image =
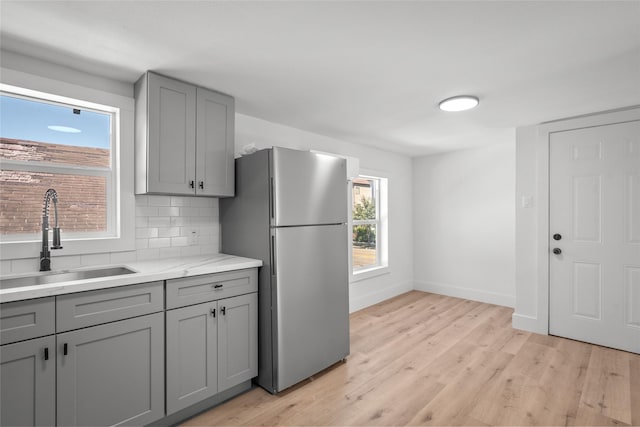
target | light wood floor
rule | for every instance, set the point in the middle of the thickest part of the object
(425, 359)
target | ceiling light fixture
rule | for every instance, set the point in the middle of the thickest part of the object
(459, 103)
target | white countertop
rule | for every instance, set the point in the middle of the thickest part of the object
(146, 271)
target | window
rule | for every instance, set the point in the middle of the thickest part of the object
(77, 140)
(46, 144)
(369, 224)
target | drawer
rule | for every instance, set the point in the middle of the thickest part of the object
(23, 320)
(90, 308)
(209, 287)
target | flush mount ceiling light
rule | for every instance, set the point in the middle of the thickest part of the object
(65, 129)
(459, 103)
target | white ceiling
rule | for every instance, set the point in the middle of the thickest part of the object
(369, 72)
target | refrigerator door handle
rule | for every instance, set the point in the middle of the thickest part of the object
(272, 201)
(273, 255)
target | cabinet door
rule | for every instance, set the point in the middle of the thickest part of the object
(171, 136)
(215, 143)
(191, 355)
(28, 386)
(237, 340)
(112, 373)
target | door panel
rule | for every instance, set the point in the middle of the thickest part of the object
(594, 206)
(112, 373)
(633, 209)
(172, 135)
(308, 188)
(587, 289)
(192, 371)
(587, 209)
(632, 282)
(237, 340)
(312, 300)
(214, 139)
(28, 386)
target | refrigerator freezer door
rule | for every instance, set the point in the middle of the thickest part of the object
(312, 301)
(308, 188)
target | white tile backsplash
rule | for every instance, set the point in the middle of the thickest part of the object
(164, 228)
(95, 259)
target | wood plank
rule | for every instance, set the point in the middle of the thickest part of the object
(634, 380)
(606, 389)
(453, 405)
(588, 417)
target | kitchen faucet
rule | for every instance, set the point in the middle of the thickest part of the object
(45, 255)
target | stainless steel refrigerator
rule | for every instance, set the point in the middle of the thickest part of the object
(290, 211)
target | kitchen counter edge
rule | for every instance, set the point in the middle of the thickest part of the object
(146, 271)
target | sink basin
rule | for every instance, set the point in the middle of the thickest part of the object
(62, 276)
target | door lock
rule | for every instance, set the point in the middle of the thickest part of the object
(557, 251)
(557, 236)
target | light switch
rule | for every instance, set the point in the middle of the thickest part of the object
(527, 201)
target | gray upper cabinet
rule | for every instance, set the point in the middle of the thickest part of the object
(215, 118)
(184, 138)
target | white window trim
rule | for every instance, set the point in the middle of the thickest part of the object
(123, 237)
(382, 239)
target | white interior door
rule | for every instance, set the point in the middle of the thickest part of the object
(594, 253)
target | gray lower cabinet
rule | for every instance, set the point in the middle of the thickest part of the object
(112, 374)
(192, 358)
(210, 348)
(28, 383)
(237, 340)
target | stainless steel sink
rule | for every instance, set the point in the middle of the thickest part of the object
(62, 276)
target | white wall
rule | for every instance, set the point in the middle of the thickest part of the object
(464, 223)
(396, 167)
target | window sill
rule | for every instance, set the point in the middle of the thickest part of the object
(369, 273)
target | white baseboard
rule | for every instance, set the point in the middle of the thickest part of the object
(527, 323)
(466, 293)
(363, 301)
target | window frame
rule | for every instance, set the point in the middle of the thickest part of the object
(121, 200)
(382, 225)
(108, 173)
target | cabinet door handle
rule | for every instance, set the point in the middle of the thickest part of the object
(46, 353)
(213, 312)
(218, 286)
(224, 311)
(201, 185)
(65, 349)
(192, 184)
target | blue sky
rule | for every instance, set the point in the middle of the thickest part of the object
(30, 120)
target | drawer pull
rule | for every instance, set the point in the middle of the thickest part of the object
(218, 286)
(213, 312)
(46, 353)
